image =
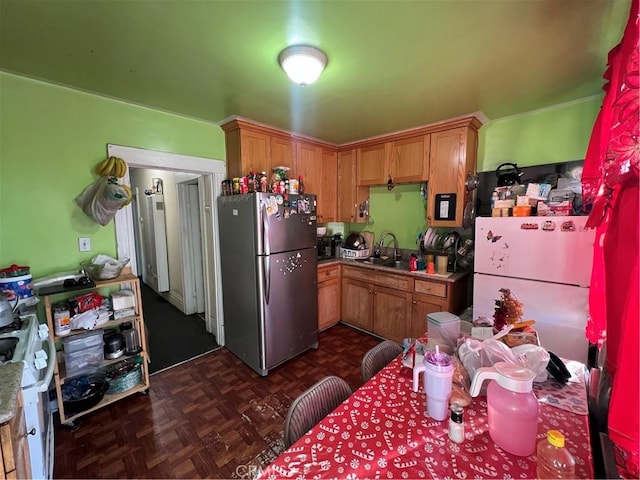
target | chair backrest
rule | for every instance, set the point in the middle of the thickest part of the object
(313, 405)
(378, 357)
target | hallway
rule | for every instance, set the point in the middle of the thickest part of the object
(173, 336)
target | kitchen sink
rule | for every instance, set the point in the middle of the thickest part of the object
(388, 262)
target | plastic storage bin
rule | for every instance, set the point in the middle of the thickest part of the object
(443, 328)
(82, 341)
(88, 360)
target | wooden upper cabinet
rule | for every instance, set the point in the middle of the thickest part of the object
(350, 195)
(406, 160)
(328, 191)
(283, 154)
(247, 151)
(373, 164)
(309, 165)
(452, 157)
(410, 159)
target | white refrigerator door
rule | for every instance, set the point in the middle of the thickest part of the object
(560, 311)
(558, 250)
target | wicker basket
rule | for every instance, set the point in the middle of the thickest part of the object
(124, 376)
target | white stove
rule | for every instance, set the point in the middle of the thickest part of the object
(36, 350)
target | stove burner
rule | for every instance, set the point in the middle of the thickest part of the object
(12, 327)
(7, 348)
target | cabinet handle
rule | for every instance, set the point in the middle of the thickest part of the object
(414, 302)
(31, 432)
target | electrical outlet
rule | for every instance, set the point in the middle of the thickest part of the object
(84, 244)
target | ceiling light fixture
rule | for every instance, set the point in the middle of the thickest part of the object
(303, 64)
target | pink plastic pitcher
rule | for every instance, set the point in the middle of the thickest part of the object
(512, 406)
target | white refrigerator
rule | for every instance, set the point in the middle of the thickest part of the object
(546, 263)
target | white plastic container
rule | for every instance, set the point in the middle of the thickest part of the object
(443, 328)
(88, 360)
(83, 341)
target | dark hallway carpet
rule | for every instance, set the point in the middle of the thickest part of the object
(173, 337)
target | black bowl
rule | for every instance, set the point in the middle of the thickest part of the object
(82, 393)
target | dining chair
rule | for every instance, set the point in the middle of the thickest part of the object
(313, 405)
(379, 356)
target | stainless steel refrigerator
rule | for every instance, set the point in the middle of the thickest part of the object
(269, 276)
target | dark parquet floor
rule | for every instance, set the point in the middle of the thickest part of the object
(211, 417)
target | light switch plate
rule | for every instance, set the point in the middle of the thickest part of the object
(84, 244)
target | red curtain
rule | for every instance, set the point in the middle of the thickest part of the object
(610, 186)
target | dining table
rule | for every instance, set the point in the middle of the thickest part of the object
(382, 431)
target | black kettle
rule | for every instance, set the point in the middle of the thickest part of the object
(508, 174)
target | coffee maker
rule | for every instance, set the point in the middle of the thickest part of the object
(328, 247)
(323, 246)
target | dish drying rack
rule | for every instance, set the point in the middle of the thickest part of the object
(355, 254)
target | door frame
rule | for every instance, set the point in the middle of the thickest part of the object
(213, 172)
(191, 255)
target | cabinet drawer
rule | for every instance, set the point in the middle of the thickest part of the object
(328, 273)
(399, 282)
(431, 288)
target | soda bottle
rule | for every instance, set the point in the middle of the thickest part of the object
(300, 185)
(554, 461)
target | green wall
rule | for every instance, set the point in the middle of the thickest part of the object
(556, 134)
(51, 137)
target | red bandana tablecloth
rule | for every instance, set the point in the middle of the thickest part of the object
(382, 431)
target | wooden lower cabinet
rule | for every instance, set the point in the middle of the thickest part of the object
(369, 303)
(396, 306)
(421, 306)
(391, 313)
(357, 305)
(15, 446)
(328, 296)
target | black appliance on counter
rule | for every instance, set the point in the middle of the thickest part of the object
(328, 246)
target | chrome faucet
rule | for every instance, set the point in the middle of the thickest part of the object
(396, 254)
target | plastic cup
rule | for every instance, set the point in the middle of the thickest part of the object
(441, 264)
(438, 377)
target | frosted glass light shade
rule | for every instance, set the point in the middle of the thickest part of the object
(302, 64)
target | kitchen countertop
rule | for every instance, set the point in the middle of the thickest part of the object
(10, 378)
(450, 278)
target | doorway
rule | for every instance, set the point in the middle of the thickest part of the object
(209, 174)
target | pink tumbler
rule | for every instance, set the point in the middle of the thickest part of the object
(438, 376)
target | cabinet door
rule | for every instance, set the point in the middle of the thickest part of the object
(452, 157)
(328, 191)
(410, 159)
(357, 304)
(347, 202)
(309, 165)
(328, 303)
(282, 154)
(421, 306)
(391, 313)
(247, 151)
(373, 164)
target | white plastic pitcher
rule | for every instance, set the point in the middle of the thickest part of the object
(512, 407)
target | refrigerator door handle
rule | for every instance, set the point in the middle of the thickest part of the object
(267, 277)
(265, 230)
